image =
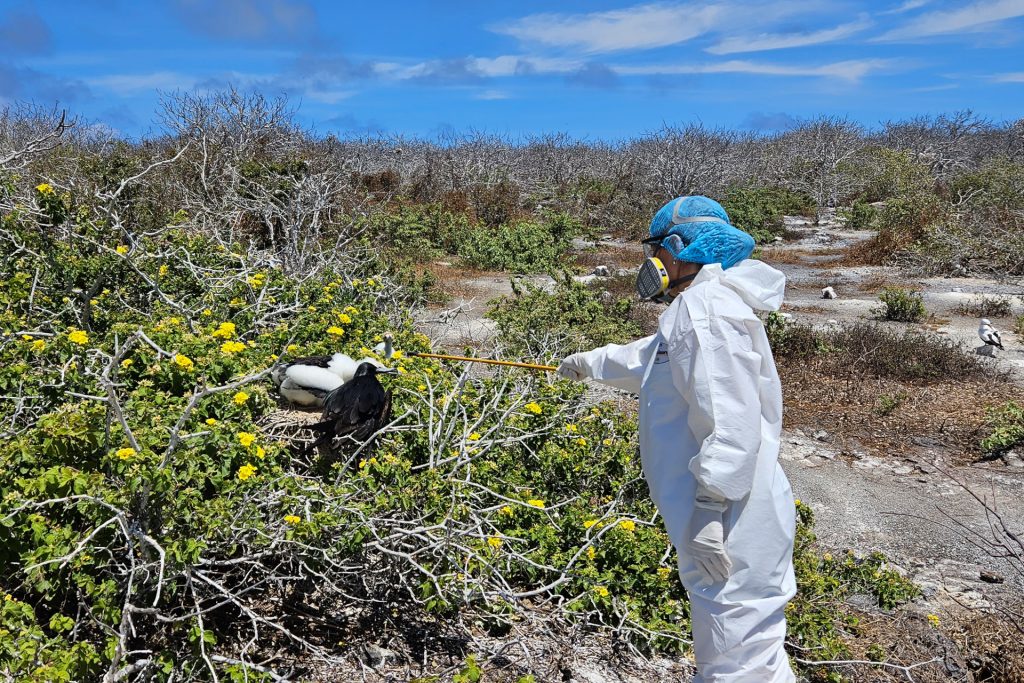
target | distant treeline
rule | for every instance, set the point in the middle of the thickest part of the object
(239, 162)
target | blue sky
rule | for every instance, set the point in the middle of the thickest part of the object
(596, 70)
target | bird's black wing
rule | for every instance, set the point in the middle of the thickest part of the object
(315, 361)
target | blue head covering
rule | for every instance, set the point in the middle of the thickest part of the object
(688, 238)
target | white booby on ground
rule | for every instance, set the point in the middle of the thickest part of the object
(307, 381)
(989, 334)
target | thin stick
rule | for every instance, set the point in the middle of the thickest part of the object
(549, 368)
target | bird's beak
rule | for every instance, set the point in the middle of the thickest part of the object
(387, 371)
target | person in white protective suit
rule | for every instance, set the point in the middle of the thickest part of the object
(710, 420)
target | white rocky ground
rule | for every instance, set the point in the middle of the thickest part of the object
(912, 510)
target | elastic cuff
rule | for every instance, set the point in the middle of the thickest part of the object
(709, 500)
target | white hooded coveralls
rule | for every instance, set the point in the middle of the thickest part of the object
(711, 413)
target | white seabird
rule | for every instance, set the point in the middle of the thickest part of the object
(989, 334)
(307, 381)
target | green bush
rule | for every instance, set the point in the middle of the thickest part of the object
(901, 305)
(759, 210)
(860, 215)
(818, 620)
(536, 322)
(525, 247)
(1006, 428)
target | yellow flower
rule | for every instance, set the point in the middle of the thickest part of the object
(396, 355)
(581, 441)
(335, 331)
(257, 280)
(26, 337)
(572, 429)
(240, 398)
(125, 453)
(606, 442)
(475, 436)
(371, 282)
(260, 452)
(246, 471)
(344, 319)
(351, 309)
(311, 309)
(126, 362)
(421, 387)
(292, 519)
(601, 591)
(224, 331)
(663, 572)
(827, 557)
(591, 553)
(628, 524)
(245, 438)
(44, 188)
(589, 523)
(798, 503)
(506, 510)
(121, 249)
(536, 502)
(934, 620)
(38, 345)
(533, 408)
(183, 362)
(356, 283)
(163, 270)
(207, 312)
(402, 371)
(78, 336)
(230, 347)
(292, 348)
(494, 542)
(211, 421)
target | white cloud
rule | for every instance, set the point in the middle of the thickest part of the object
(851, 70)
(642, 26)
(977, 16)
(907, 6)
(492, 95)
(778, 41)
(130, 84)
(1013, 77)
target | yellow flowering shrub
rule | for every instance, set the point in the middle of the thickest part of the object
(77, 336)
(225, 330)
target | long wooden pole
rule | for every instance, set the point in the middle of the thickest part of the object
(531, 366)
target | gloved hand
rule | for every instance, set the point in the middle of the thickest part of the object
(706, 543)
(573, 367)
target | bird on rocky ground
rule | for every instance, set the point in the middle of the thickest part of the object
(356, 409)
(307, 381)
(989, 334)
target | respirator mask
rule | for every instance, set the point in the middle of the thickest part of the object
(652, 282)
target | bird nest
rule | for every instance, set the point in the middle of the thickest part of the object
(290, 426)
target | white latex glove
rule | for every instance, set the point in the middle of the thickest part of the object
(573, 367)
(706, 543)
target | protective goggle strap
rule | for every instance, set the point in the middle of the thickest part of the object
(677, 220)
(678, 281)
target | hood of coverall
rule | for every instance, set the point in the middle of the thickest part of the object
(759, 285)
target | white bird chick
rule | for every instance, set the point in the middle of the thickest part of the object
(386, 348)
(307, 381)
(989, 334)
